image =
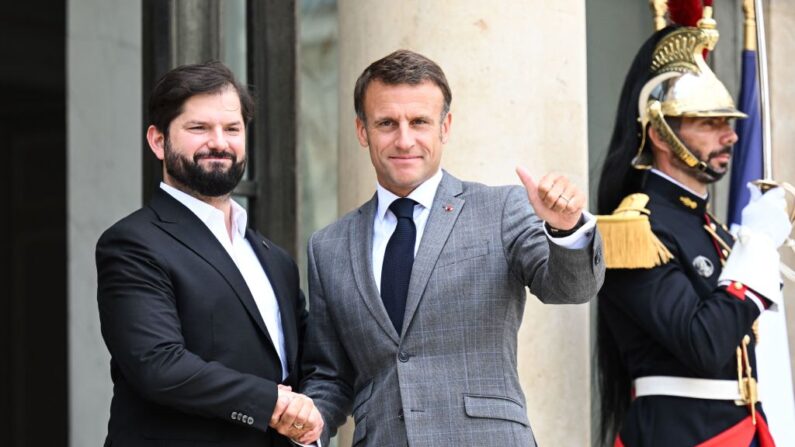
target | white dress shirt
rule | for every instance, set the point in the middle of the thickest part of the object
(239, 249)
(385, 222)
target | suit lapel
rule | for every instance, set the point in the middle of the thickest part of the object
(282, 291)
(443, 215)
(183, 225)
(361, 251)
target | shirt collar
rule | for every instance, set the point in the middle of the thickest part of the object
(422, 194)
(208, 213)
(671, 179)
(672, 191)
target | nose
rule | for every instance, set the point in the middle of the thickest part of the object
(729, 137)
(405, 137)
(217, 140)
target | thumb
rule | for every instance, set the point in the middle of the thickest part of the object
(529, 185)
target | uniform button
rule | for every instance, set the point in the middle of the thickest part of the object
(234, 415)
(400, 414)
(250, 420)
(597, 258)
(403, 357)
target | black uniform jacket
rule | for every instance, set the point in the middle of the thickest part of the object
(674, 320)
(192, 362)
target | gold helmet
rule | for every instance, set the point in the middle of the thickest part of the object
(682, 85)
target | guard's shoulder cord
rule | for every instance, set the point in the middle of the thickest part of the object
(628, 239)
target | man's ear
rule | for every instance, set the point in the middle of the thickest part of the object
(157, 141)
(658, 145)
(361, 133)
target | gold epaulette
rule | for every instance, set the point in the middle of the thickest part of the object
(629, 242)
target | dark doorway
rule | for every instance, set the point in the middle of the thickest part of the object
(33, 336)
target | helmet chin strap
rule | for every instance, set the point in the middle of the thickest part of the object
(657, 121)
(704, 167)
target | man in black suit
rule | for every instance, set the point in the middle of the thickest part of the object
(203, 317)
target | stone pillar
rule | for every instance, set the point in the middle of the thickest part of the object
(518, 76)
(780, 17)
(104, 184)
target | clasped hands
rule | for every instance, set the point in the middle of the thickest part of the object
(296, 417)
(555, 200)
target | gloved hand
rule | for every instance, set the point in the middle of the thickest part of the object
(767, 214)
(754, 260)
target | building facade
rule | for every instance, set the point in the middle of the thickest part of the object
(535, 84)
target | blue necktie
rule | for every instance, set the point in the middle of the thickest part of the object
(398, 259)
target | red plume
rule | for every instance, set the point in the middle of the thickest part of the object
(686, 12)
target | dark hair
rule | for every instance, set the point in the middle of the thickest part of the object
(401, 67)
(617, 180)
(182, 83)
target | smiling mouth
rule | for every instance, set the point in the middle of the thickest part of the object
(215, 157)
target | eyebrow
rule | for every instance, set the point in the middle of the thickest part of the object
(411, 118)
(194, 122)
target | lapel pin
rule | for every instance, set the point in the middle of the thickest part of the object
(266, 245)
(448, 208)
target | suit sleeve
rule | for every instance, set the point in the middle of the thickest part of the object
(142, 330)
(702, 332)
(327, 370)
(555, 274)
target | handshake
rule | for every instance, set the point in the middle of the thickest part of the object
(296, 417)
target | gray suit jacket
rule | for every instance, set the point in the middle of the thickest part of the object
(451, 379)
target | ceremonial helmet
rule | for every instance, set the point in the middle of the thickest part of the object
(681, 84)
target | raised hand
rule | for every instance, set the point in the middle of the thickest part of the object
(556, 200)
(767, 214)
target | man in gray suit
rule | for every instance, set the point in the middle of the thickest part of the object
(417, 296)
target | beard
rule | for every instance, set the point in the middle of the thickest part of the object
(718, 172)
(214, 182)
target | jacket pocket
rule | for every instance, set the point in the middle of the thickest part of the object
(461, 254)
(360, 412)
(359, 431)
(362, 396)
(495, 407)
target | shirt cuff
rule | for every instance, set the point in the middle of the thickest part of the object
(580, 238)
(314, 444)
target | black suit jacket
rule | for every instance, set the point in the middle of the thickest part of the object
(191, 359)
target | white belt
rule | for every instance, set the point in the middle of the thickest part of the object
(687, 387)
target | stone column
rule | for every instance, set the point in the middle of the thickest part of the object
(518, 76)
(780, 17)
(104, 184)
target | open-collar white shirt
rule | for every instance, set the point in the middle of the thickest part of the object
(247, 262)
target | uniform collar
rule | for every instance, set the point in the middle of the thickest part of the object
(674, 192)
